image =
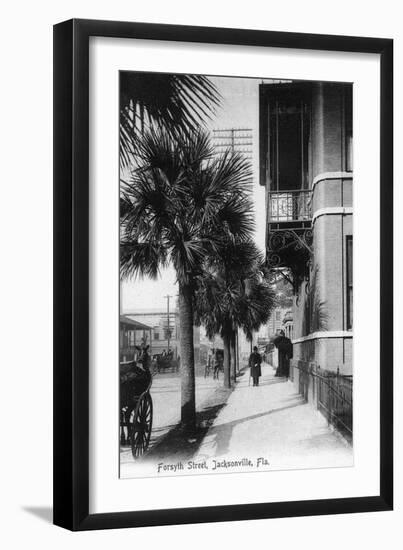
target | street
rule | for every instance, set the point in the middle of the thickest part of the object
(166, 396)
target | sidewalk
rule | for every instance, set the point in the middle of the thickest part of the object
(272, 421)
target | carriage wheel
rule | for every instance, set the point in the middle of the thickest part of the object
(142, 425)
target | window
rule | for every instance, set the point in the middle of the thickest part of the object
(349, 268)
(288, 149)
(348, 127)
(156, 335)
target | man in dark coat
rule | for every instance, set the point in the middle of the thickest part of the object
(285, 353)
(255, 361)
(218, 363)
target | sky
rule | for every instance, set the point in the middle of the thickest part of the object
(239, 108)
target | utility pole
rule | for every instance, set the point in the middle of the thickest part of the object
(237, 350)
(168, 296)
(237, 140)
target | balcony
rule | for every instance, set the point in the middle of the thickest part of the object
(288, 209)
(289, 233)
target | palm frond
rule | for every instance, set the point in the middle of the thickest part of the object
(141, 259)
(232, 291)
(178, 103)
(197, 208)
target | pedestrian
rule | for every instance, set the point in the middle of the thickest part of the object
(255, 361)
(218, 363)
(209, 363)
(285, 353)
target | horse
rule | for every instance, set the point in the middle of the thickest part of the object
(135, 379)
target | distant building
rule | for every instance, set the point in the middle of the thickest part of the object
(131, 334)
(288, 325)
(165, 333)
(275, 323)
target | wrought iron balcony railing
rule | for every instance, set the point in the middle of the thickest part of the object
(285, 206)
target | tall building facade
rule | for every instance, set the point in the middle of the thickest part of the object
(306, 167)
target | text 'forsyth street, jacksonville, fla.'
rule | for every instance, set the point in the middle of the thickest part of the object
(212, 465)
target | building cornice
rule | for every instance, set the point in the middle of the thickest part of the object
(331, 176)
(331, 211)
(324, 334)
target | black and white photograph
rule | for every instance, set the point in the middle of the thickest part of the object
(201, 263)
(236, 275)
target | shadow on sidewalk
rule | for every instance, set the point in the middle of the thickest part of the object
(179, 444)
(271, 382)
(223, 432)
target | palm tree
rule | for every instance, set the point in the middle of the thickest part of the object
(176, 102)
(234, 291)
(179, 206)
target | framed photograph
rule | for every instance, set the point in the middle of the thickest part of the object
(223, 303)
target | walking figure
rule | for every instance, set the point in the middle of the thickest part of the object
(255, 361)
(218, 362)
(209, 363)
(285, 353)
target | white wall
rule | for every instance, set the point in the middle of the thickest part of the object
(25, 389)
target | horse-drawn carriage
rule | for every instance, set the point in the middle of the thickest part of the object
(136, 406)
(165, 363)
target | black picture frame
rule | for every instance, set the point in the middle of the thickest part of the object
(71, 273)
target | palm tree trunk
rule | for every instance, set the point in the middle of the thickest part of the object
(233, 356)
(227, 358)
(187, 366)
